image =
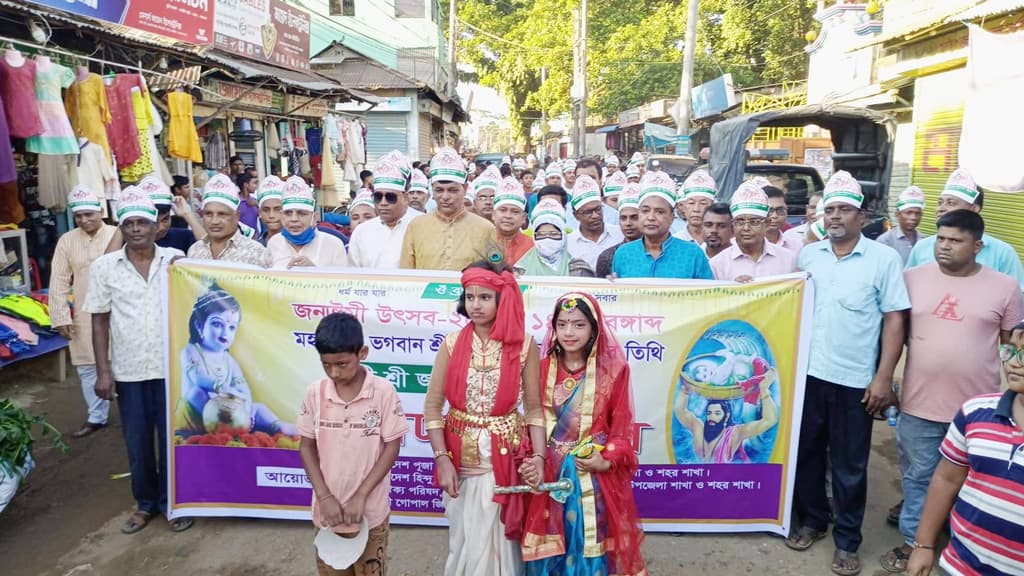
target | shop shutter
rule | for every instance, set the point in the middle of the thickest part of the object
(938, 114)
(385, 131)
(426, 140)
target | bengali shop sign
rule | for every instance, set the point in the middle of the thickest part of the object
(715, 372)
(267, 30)
(184, 20)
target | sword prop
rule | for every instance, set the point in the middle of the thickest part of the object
(559, 486)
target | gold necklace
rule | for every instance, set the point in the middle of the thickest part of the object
(571, 382)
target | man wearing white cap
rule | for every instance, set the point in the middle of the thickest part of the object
(593, 235)
(509, 217)
(909, 208)
(269, 194)
(658, 254)
(449, 238)
(633, 173)
(860, 296)
(629, 225)
(797, 235)
(751, 255)
(698, 193)
(611, 163)
(961, 193)
(300, 244)
(591, 168)
(553, 175)
(613, 187)
(125, 298)
(69, 274)
(361, 209)
(377, 243)
(223, 240)
(419, 192)
(484, 189)
(569, 173)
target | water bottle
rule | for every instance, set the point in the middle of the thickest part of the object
(890, 414)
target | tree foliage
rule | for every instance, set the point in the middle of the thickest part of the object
(634, 49)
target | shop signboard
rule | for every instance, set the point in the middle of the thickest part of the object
(265, 30)
(247, 97)
(184, 20)
(306, 106)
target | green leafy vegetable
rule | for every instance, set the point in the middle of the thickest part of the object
(16, 437)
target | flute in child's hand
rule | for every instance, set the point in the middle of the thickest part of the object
(543, 487)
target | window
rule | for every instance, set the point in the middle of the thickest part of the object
(410, 8)
(343, 7)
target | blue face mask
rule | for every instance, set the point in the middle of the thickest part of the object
(302, 239)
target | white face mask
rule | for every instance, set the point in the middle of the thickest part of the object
(550, 249)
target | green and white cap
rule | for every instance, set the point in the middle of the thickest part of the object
(134, 203)
(419, 182)
(912, 197)
(843, 188)
(749, 200)
(489, 179)
(568, 166)
(585, 191)
(399, 160)
(388, 177)
(615, 184)
(270, 188)
(82, 199)
(699, 184)
(961, 185)
(297, 195)
(548, 211)
(510, 193)
(630, 197)
(222, 190)
(658, 184)
(447, 166)
(158, 191)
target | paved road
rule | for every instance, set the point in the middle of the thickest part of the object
(65, 521)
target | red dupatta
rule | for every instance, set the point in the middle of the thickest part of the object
(509, 329)
(611, 416)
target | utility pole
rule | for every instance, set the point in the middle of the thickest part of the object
(689, 52)
(582, 149)
(542, 153)
(453, 72)
(574, 90)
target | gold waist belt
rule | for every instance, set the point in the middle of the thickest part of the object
(507, 426)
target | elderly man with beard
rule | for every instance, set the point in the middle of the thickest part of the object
(860, 294)
(629, 224)
(751, 256)
(718, 439)
(658, 254)
(717, 229)
(451, 237)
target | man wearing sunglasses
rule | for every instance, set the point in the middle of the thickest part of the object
(961, 311)
(377, 243)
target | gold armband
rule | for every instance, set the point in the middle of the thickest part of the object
(434, 425)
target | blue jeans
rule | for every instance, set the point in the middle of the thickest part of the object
(143, 409)
(919, 442)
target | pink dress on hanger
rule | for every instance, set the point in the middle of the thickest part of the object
(18, 87)
(122, 132)
(57, 136)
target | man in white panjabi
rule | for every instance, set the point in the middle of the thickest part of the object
(300, 244)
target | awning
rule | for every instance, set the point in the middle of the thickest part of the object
(989, 8)
(295, 78)
(939, 19)
(606, 129)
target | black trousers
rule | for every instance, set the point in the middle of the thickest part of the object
(835, 427)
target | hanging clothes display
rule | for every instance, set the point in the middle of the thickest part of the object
(327, 178)
(182, 138)
(57, 136)
(122, 132)
(143, 165)
(19, 93)
(7, 171)
(216, 151)
(348, 135)
(58, 174)
(86, 104)
(96, 172)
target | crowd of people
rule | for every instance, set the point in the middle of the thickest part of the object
(523, 413)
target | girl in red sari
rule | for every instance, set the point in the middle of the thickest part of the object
(593, 527)
(484, 372)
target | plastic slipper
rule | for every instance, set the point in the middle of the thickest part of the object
(845, 563)
(804, 538)
(180, 524)
(137, 521)
(895, 561)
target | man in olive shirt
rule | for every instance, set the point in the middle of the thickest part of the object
(450, 238)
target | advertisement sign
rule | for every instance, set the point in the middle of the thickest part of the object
(713, 97)
(266, 30)
(184, 20)
(696, 350)
(247, 96)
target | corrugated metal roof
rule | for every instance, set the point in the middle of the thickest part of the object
(251, 69)
(988, 8)
(366, 75)
(172, 79)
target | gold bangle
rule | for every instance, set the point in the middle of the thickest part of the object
(433, 425)
(439, 453)
(535, 422)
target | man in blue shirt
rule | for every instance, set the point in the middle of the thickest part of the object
(859, 295)
(658, 254)
(961, 193)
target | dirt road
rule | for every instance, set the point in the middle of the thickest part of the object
(65, 521)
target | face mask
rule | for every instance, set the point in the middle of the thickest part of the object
(549, 249)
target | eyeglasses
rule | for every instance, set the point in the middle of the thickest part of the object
(590, 212)
(548, 236)
(391, 197)
(1009, 352)
(752, 223)
(778, 211)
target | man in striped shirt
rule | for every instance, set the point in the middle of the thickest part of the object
(981, 481)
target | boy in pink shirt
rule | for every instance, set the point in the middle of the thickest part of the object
(352, 425)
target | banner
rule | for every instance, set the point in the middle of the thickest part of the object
(715, 371)
(185, 20)
(267, 30)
